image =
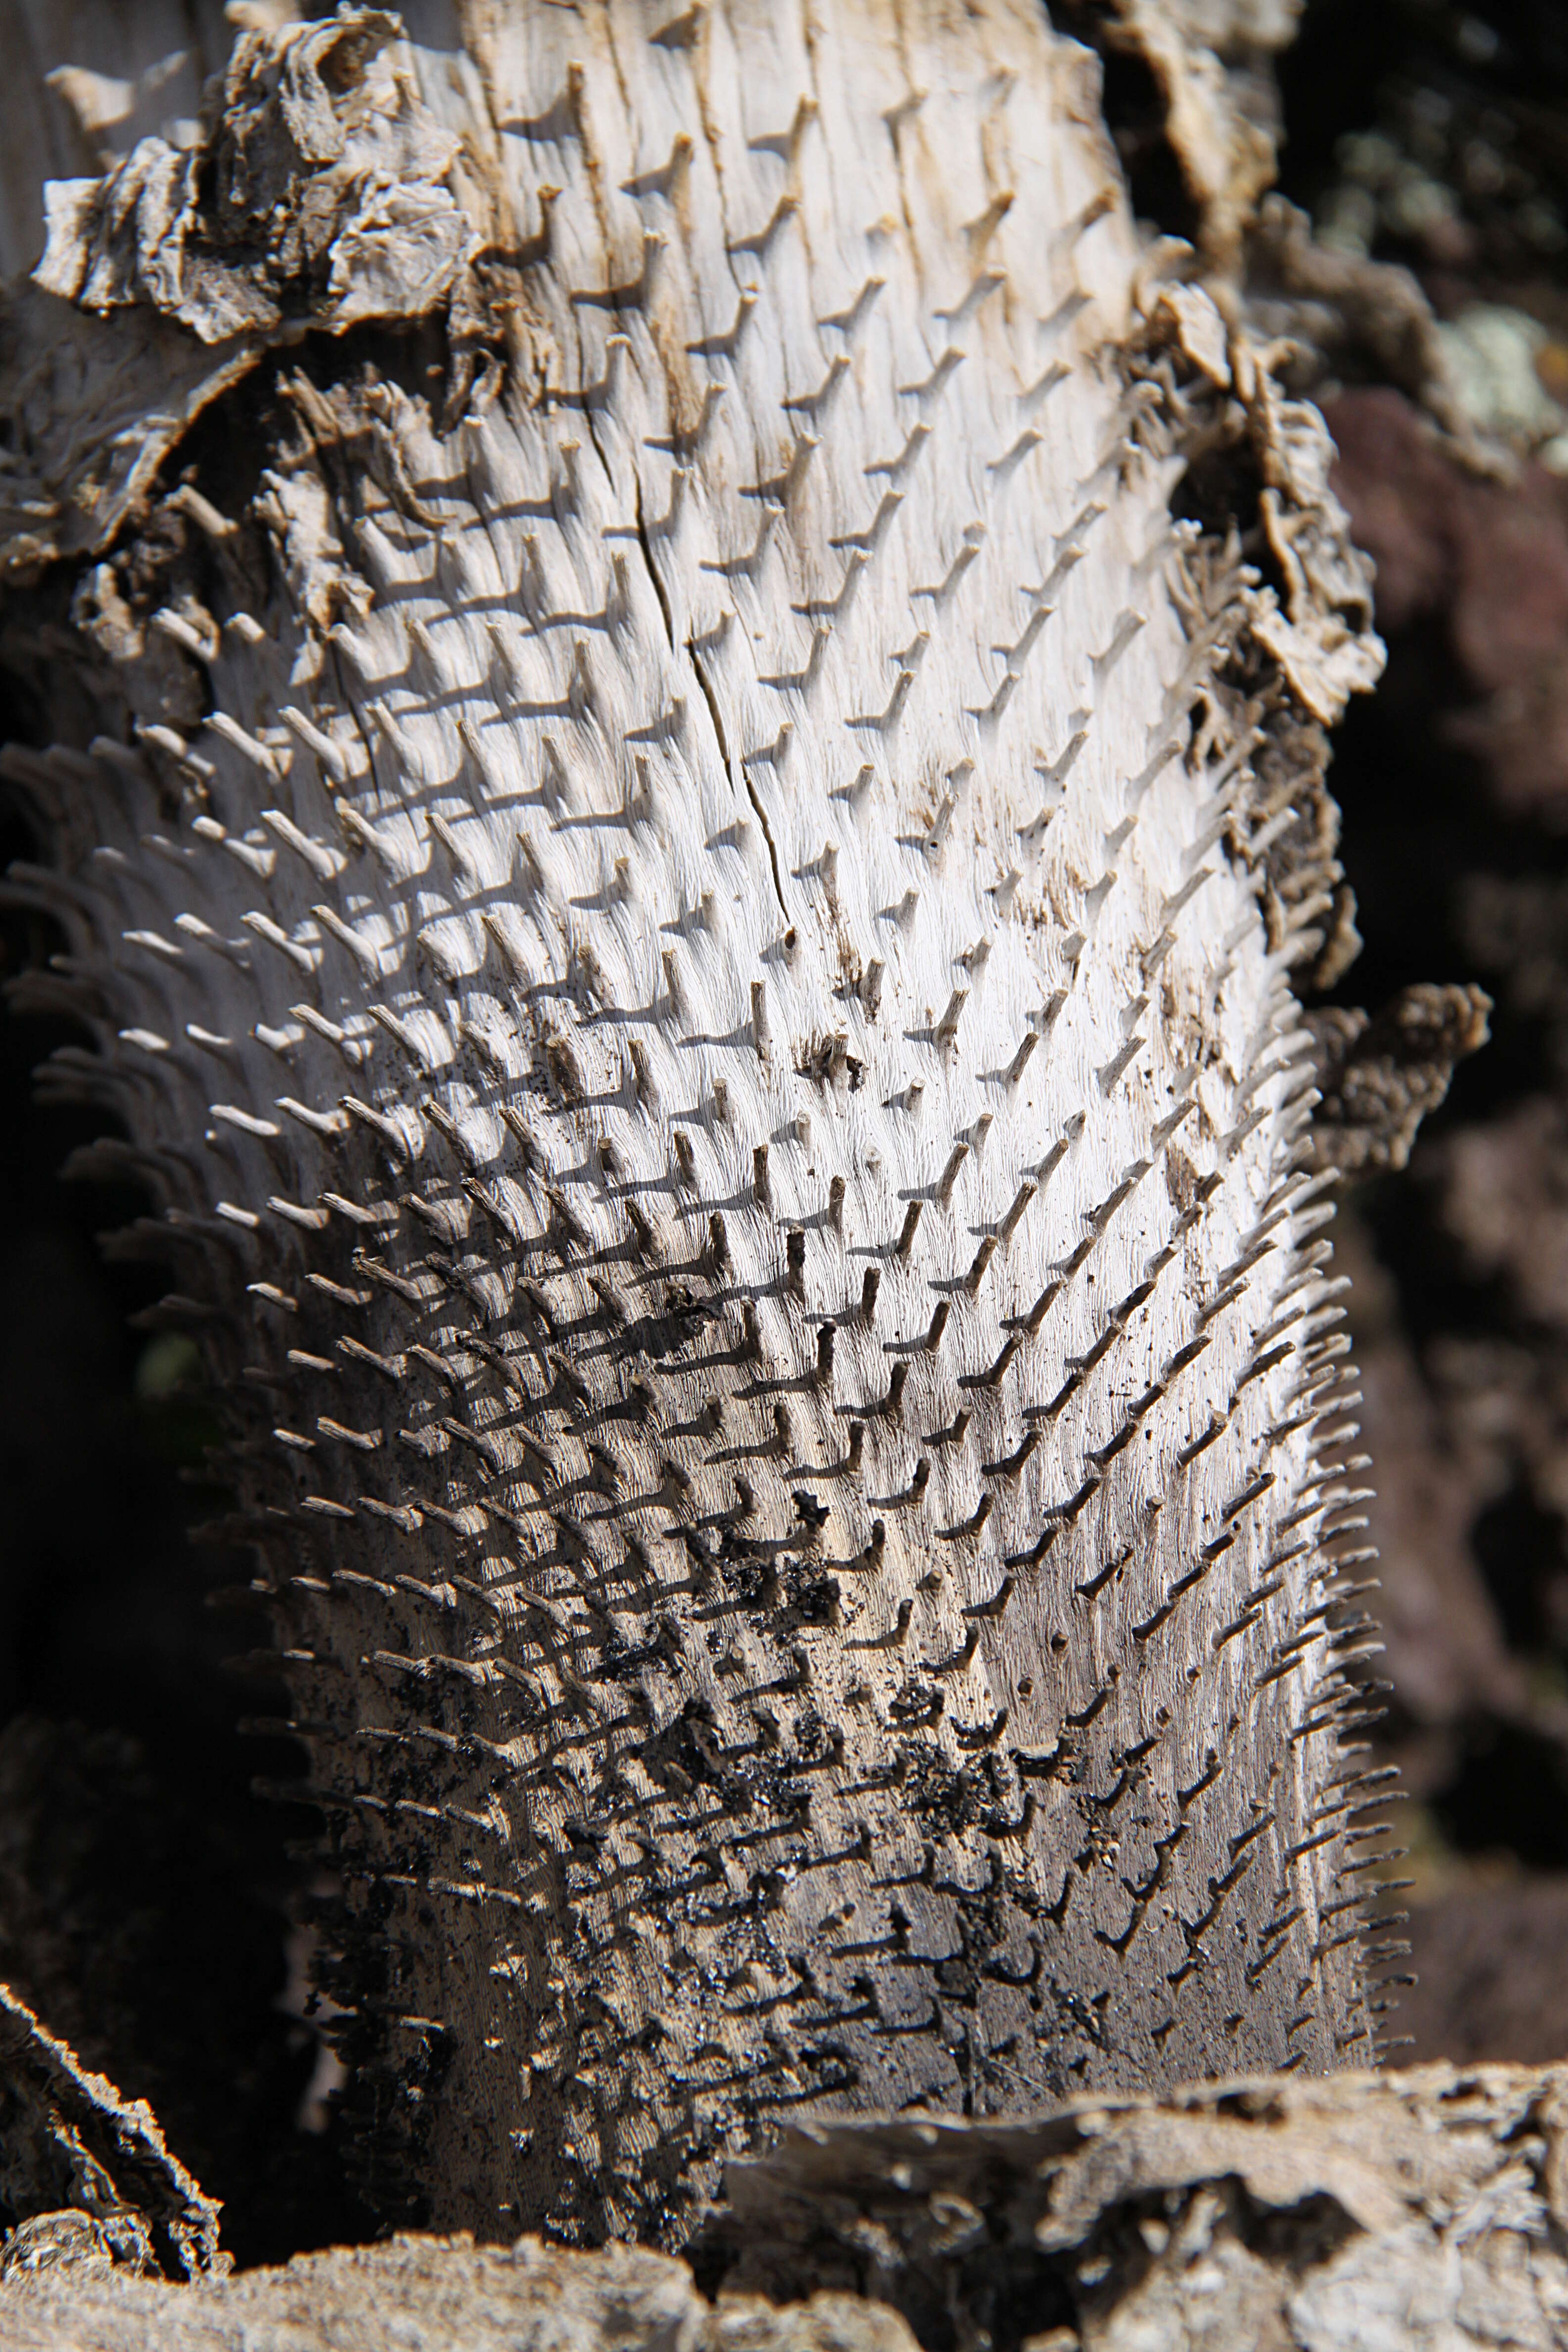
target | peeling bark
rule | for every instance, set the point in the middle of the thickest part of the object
(1381, 1078)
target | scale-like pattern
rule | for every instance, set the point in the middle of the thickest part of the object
(700, 1011)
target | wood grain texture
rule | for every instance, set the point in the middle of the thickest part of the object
(697, 945)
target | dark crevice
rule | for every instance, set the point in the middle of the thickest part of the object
(646, 543)
(1509, 1795)
(710, 697)
(1136, 116)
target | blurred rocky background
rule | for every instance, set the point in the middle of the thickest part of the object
(1432, 139)
(1416, 256)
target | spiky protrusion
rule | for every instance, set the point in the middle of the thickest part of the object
(700, 1007)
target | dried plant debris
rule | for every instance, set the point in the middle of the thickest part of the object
(694, 931)
(1260, 482)
(1424, 2208)
(69, 2142)
(1380, 1078)
(142, 1918)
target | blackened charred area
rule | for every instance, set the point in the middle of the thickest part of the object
(945, 1798)
(958, 2257)
(394, 2067)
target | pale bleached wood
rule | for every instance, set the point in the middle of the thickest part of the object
(712, 1008)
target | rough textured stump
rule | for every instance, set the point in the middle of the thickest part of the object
(680, 697)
